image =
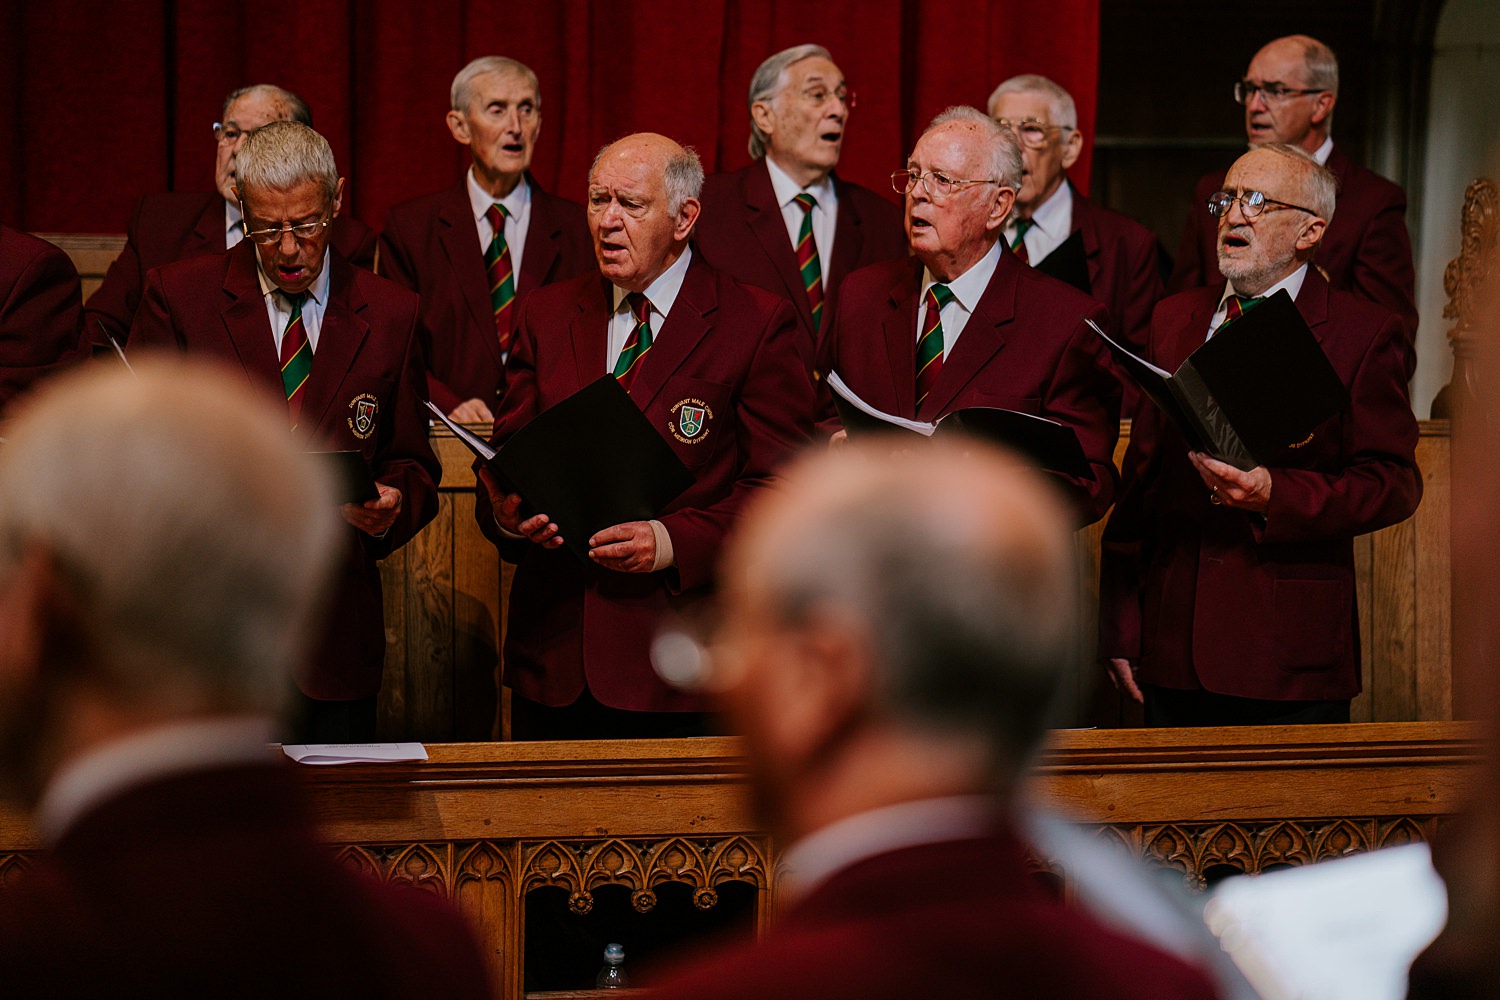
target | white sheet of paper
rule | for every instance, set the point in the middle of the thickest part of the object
(353, 753)
(1346, 929)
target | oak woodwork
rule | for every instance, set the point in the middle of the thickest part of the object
(1463, 281)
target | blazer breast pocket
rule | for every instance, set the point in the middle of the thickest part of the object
(694, 416)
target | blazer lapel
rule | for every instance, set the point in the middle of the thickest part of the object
(686, 325)
(208, 235)
(900, 333)
(1312, 302)
(1083, 222)
(981, 338)
(460, 240)
(848, 237)
(542, 235)
(246, 321)
(343, 333)
(588, 332)
(769, 227)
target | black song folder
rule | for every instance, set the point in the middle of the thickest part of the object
(589, 462)
(1258, 388)
(352, 473)
(1050, 445)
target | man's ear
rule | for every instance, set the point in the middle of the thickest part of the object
(458, 127)
(1000, 208)
(687, 215)
(764, 117)
(1311, 234)
(1323, 107)
(1071, 148)
(338, 198)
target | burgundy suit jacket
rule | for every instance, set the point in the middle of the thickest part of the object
(741, 232)
(431, 245)
(41, 326)
(212, 883)
(1365, 249)
(1025, 348)
(963, 920)
(368, 349)
(174, 226)
(1124, 267)
(1208, 596)
(740, 351)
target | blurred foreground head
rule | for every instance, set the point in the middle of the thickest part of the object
(163, 545)
(895, 629)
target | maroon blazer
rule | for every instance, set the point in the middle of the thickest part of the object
(963, 920)
(368, 350)
(431, 245)
(1026, 348)
(213, 883)
(174, 226)
(41, 326)
(1204, 596)
(741, 232)
(1124, 261)
(741, 352)
(1365, 249)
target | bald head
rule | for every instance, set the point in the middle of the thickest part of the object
(1289, 92)
(642, 204)
(928, 600)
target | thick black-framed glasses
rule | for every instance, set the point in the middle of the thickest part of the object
(1245, 91)
(1252, 204)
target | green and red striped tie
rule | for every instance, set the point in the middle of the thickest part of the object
(807, 259)
(930, 343)
(1237, 305)
(639, 342)
(296, 355)
(502, 276)
(1023, 226)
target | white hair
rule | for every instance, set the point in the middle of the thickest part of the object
(769, 80)
(1060, 107)
(278, 156)
(1005, 164)
(461, 92)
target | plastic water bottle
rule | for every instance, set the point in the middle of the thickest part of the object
(612, 976)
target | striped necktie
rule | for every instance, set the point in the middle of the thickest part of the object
(296, 354)
(807, 259)
(502, 276)
(930, 343)
(1237, 305)
(639, 342)
(1023, 226)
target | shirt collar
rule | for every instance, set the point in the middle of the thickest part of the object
(100, 774)
(786, 189)
(480, 200)
(317, 291)
(232, 215)
(662, 292)
(1054, 215)
(1324, 151)
(969, 287)
(1292, 283)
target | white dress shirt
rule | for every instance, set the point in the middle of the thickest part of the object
(825, 214)
(1052, 223)
(280, 311)
(517, 223)
(233, 231)
(967, 290)
(1324, 151)
(1292, 283)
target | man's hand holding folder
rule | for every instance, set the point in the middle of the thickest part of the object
(1250, 490)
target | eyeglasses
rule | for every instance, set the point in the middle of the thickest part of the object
(934, 182)
(1252, 203)
(1031, 132)
(228, 133)
(819, 96)
(301, 231)
(1245, 91)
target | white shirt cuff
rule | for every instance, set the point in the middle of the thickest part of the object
(665, 557)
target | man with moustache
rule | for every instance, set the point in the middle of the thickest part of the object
(682, 338)
(965, 324)
(788, 223)
(338, 348)
(41, 327)
(177, 225)
(155, 590)
(1120, 258)
(475, 251)
(1227, 597)
(893, 640)
(1289, 92)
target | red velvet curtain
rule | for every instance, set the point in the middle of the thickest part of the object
(106, 101)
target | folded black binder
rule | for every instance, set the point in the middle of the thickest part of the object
(355, 482)
(1052, 446)
(589, 462)
(1069, 263)
(1256, 390)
